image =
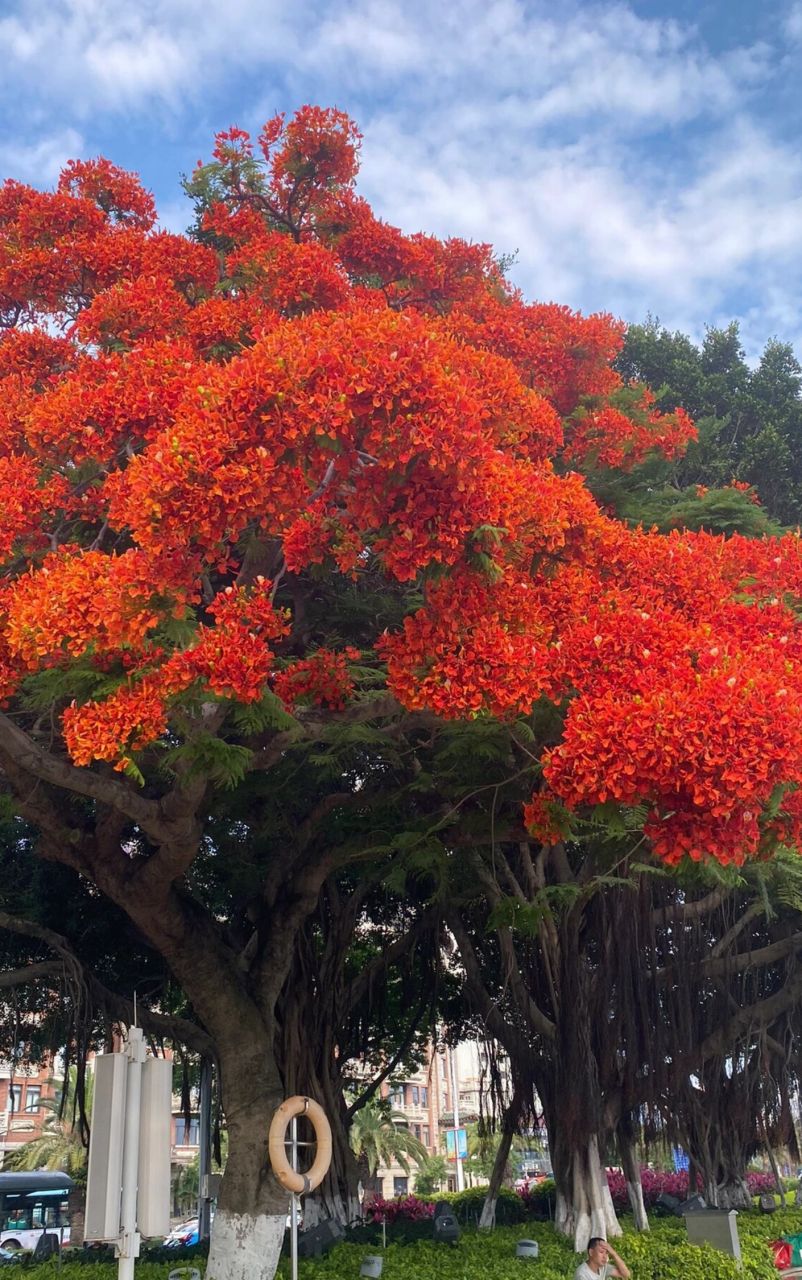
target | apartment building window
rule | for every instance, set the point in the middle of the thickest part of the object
(424, 1097)
(186, 1135)
(397, 1097)
(416, 1131)
(15, 1097)
(415, 1095)
(425, 1138)
(32, 1097)
(445, 1101)
(400, 1186)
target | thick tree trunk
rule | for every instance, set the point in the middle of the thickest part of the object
(631, 1167)
(338, 1194)
(245, 1246)
(734, 1193)
(584, 1204)
(249, 1224)
(309, 1065)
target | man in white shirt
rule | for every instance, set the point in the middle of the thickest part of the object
(598, 1265)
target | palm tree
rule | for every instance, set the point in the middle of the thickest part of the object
(379, 1136)
(60, 1144)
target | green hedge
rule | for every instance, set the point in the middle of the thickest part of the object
(661, 1254)
(467, 1205)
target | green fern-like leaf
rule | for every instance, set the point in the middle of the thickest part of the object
(50, 688)
(256, 717)
(225, 764)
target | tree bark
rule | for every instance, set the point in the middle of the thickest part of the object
(631, 1167)
(249, 1224)
(512, 1115)
(733, 1193)
(584, 1204)
(77, 1211)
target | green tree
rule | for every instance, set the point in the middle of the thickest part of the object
(62, 1143)
(432, 1173)
(379, 1136)
(750, 428)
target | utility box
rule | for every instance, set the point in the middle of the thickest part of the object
(717, 1227)
(210, 1185)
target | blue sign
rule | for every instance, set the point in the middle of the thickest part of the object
(681, 1160)
(457, 1139)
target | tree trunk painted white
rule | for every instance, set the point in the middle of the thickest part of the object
(734, 1194)
(629, 1160)
(637, 1205)
(589, 1211)
(487, 1218)
(245, 1246)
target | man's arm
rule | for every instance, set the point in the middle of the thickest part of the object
(620, 1269)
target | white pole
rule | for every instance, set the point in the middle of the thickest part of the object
(294, 1203)
(455, 1106)
(128, 1246)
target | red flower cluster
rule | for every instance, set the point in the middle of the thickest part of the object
(608, 437)
(322, 679)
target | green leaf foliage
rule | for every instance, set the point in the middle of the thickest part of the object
(224, 763)
(662, 1254)
(750, 426)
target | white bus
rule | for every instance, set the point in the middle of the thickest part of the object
(32, 1204)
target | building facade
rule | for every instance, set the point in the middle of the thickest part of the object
(22, 1092)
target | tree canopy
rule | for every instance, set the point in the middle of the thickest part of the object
(295, 525)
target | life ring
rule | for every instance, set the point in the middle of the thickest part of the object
(300, 1183)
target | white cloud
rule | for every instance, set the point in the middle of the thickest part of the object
(587, 235)
(625, 161)
(40, 162)
(530, 59)
(533, 63)
(792, 25)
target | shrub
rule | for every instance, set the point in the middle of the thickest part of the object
(539, 1199)
(468, 1204)
(662, 1254)
(410, 1208)
(656, 1183)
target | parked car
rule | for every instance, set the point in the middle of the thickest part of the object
(185, 1234)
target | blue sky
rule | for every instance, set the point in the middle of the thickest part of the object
(640, 156)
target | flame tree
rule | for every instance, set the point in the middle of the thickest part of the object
(298, 479)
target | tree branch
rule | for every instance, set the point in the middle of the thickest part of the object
(118, 1006)
(31, 973)
(755, 1017)
(722, 965)
(514, 1042)
(17, 747)
(360, 984)
(687, 911)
